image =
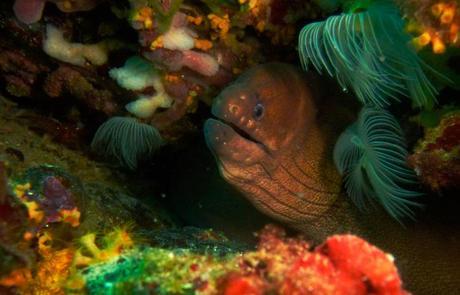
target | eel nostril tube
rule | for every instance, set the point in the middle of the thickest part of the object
(233, 109)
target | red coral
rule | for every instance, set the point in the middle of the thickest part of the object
(364, 263)
(316, 274)
(344, 264)
(244, 285)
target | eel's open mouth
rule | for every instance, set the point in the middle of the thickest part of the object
(239, 131)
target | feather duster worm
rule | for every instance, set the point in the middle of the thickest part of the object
(126, 140)
(371, 154)
(369, 52)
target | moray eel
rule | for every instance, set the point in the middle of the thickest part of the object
(274, 145)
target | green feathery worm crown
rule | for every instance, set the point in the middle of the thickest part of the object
(371, 154)
(368, 51)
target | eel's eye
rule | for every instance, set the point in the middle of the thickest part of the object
(258, 111)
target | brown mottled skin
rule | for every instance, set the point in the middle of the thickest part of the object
(274, 146)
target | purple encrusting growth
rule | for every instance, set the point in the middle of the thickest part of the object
(57, 197)
(31, 11)
(54, 198)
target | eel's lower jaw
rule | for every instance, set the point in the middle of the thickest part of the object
(231, 144)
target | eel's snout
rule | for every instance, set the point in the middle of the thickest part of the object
(235, 107)
(216, 135)
(231, 104)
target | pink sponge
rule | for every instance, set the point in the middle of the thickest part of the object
(29, 11)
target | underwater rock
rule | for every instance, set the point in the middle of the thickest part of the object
(19, 72)
(27, 72)
(69, 133)
(14, 251)
(108, 208)
(196, 240)
(44, 209)
(3, 183)
(84, 86)
(436, 158)
(70, 177)
(90, 206)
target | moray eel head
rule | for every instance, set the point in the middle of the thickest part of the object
(260, 115)
(267, 144)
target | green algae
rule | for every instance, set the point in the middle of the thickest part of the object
(159, 271)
